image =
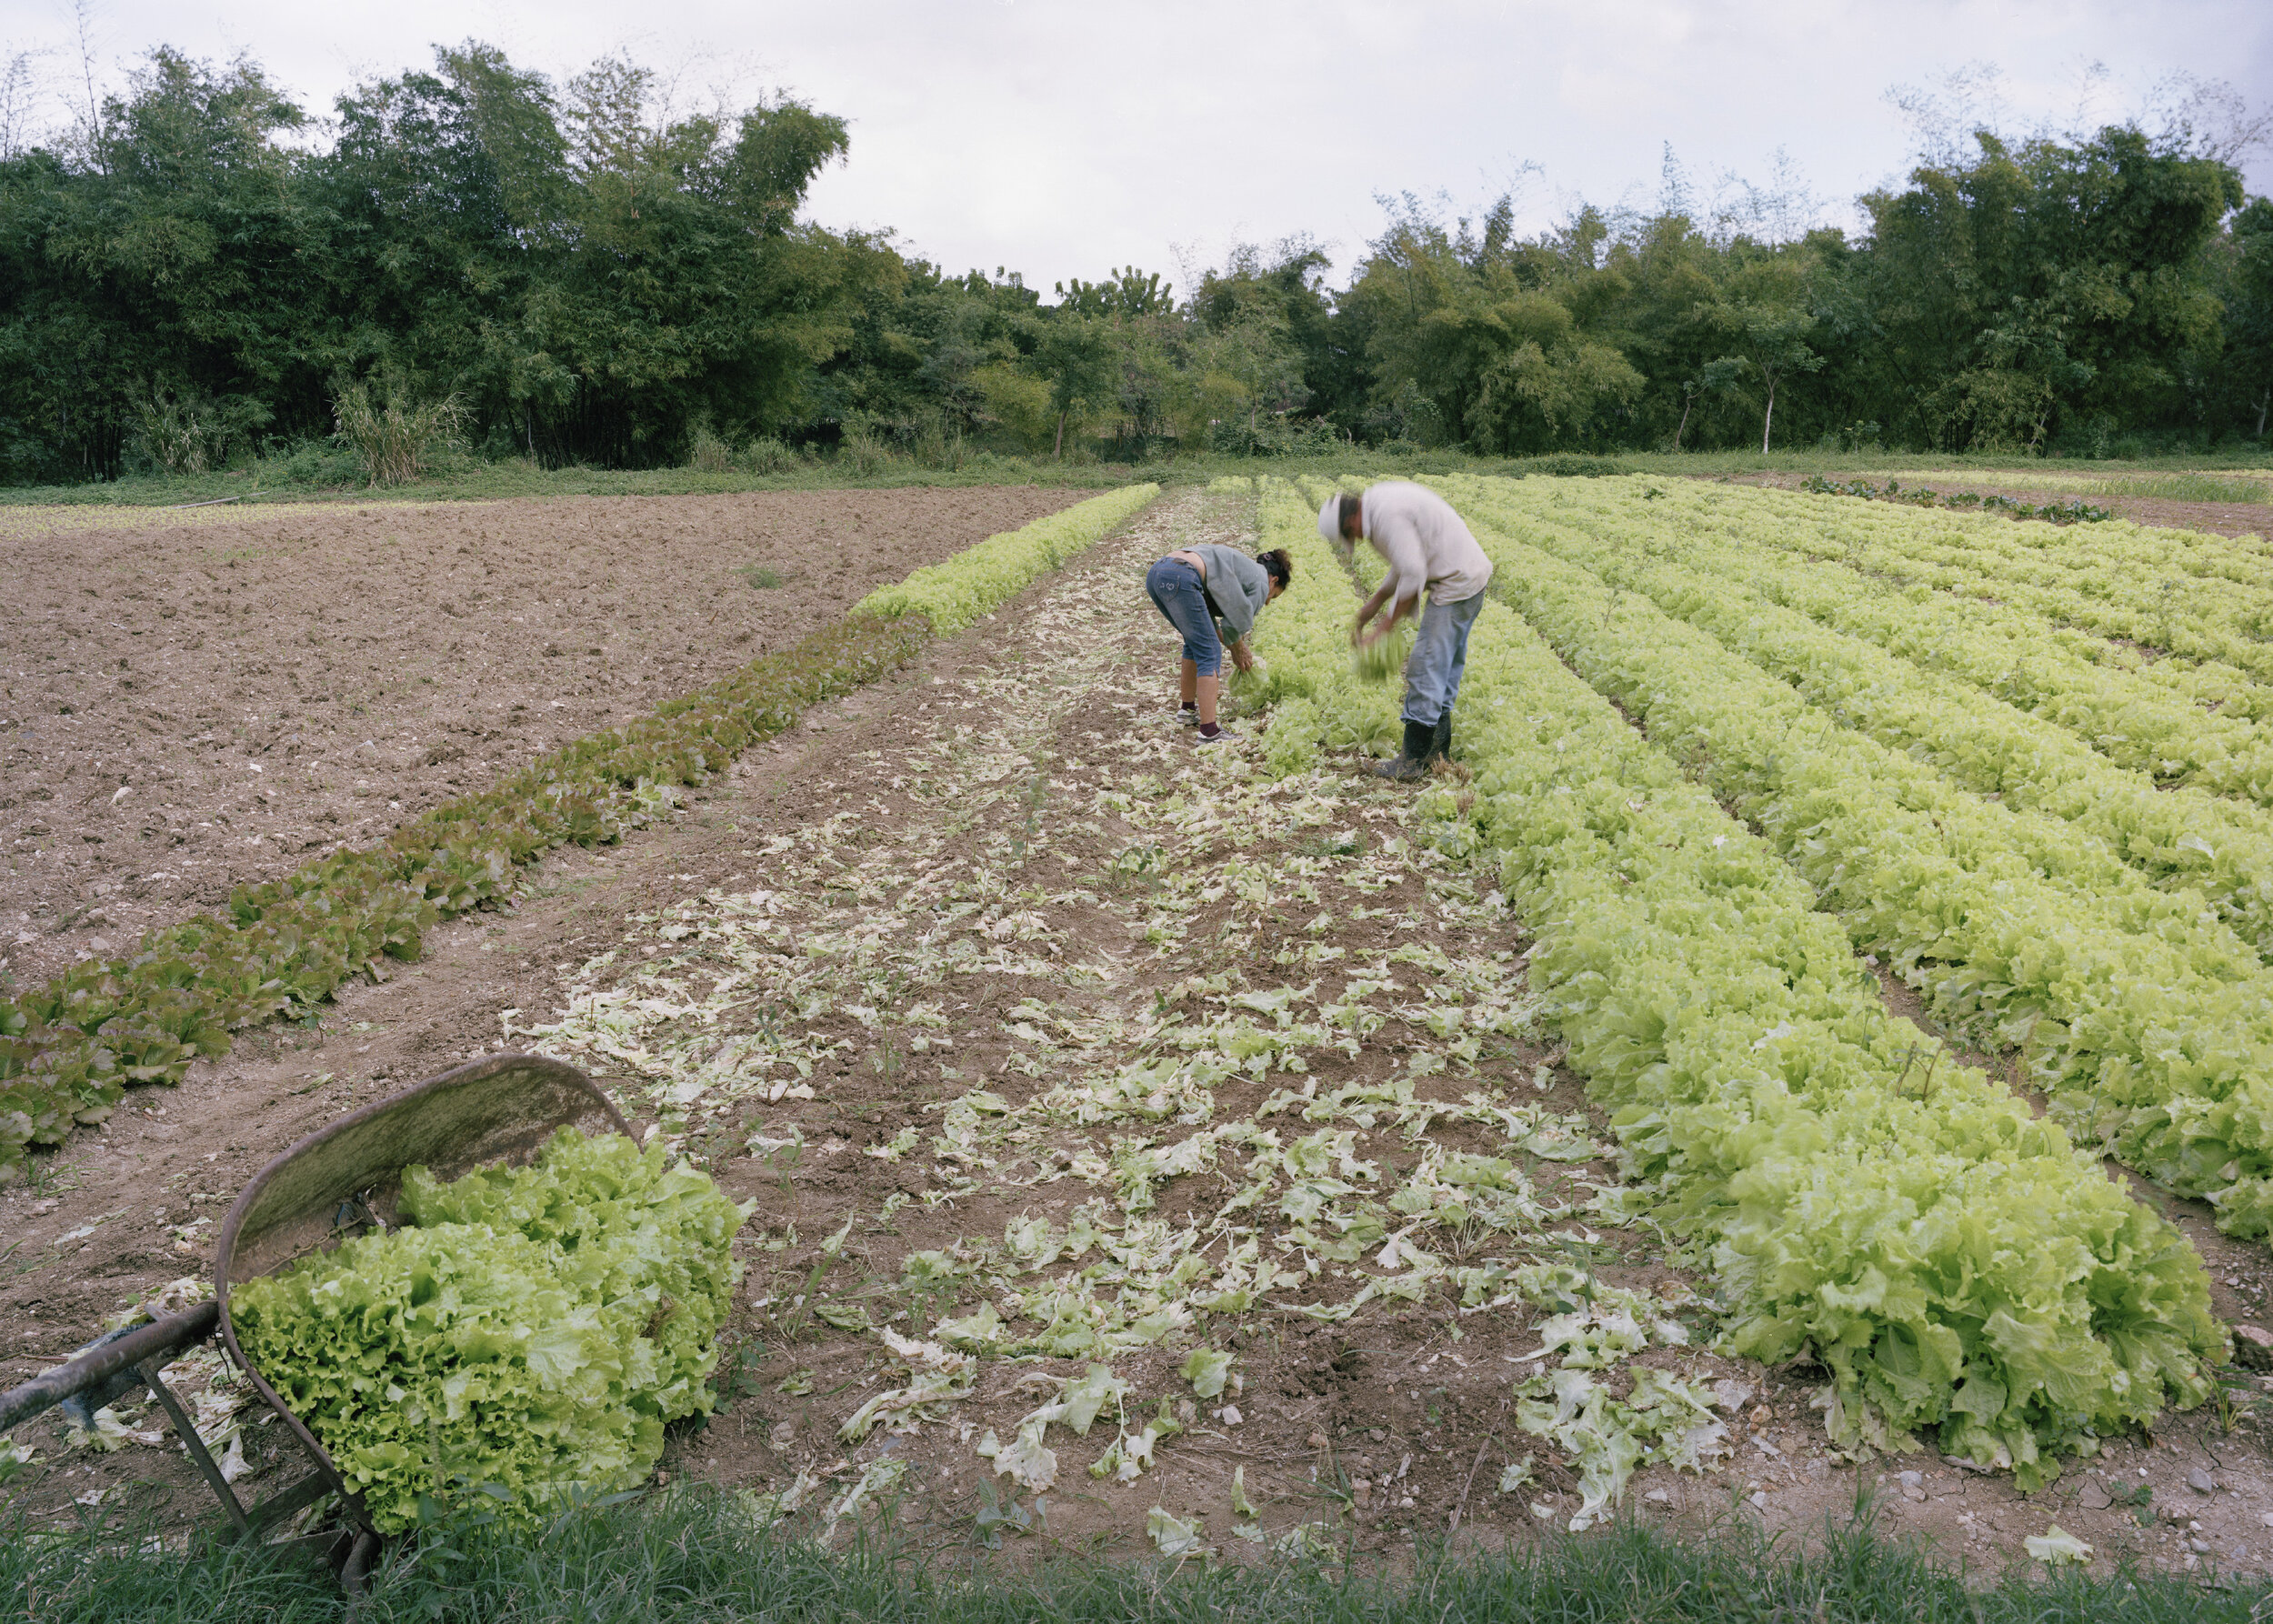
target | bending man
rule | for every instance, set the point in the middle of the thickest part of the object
(1428, 549)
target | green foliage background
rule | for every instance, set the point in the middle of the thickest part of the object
(191, 278)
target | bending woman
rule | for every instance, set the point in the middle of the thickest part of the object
(1195, 588)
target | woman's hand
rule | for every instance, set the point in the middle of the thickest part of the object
(1242, 656)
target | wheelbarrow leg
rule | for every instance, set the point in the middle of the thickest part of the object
(354, 1574)
(194, 1446)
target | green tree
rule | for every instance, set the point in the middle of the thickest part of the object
(1074, 354)
(1713, 378)
(1266, 339)
(1666, 275)
(1507, 344)
(2249, 312)
(1549, 384)
(177, 262)
(1771, 340)
(2045, 287)
(588, 277)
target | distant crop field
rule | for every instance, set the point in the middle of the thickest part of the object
(2223, 485)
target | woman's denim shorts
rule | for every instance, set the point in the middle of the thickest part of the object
(1179, 592)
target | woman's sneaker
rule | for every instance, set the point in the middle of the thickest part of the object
(1220, 736)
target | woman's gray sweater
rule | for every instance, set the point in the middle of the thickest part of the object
(1237, 587)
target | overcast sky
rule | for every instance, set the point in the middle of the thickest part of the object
(1062, 138)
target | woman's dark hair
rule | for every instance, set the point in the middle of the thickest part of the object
(1280, 566)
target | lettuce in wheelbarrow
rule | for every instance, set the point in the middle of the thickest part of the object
(525, 1336)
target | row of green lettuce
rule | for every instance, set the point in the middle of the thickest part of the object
(69, 1049)
(1863, 1198)
(2180, 721)
(2191, 720)
(2200, 597)
(2148, 1024)
(975, 581)
(2197, 846)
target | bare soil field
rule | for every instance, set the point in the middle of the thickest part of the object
(934, 980)
(2219, 519)
(187, 709)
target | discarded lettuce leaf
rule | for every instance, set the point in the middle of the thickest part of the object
(1083, 1399)
(2056, 1545)
(973, 1331)
(1207, 1370)
(935, 1377)
(1307, 1539)
(1175, 1536)
(771, 1507)
(1023, 1460)
(877, 1477)
(108, 1433)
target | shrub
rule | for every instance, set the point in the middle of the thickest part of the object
(863, 454)
(397, 439)
(1570, 465)
(768, 456)
(192, 433)
(708, 454)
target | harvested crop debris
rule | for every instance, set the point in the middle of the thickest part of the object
(1221, 1059)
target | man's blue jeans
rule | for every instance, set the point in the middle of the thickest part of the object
(1440, 653)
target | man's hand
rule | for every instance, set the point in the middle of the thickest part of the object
(1242, 656)
(1359, 637)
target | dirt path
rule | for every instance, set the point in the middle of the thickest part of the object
(1046, 1041)
(1047, 952)
(187, 710)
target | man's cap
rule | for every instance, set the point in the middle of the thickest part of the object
(1330, 518)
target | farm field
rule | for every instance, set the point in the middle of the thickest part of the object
(1160, 1149)
(193, 702)
(2223, 502)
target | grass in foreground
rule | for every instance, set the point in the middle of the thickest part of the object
(693, 1556)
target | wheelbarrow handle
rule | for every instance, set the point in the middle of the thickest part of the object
(97, 1364)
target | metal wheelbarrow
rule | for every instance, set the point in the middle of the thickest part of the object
(328, 1187)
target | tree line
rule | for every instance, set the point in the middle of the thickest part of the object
(567, 272)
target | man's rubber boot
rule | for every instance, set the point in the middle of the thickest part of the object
(1412, 762)
(1442, 743)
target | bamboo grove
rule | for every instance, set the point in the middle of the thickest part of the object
(203, 272)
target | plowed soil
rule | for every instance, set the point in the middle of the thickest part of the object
(184, 710)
